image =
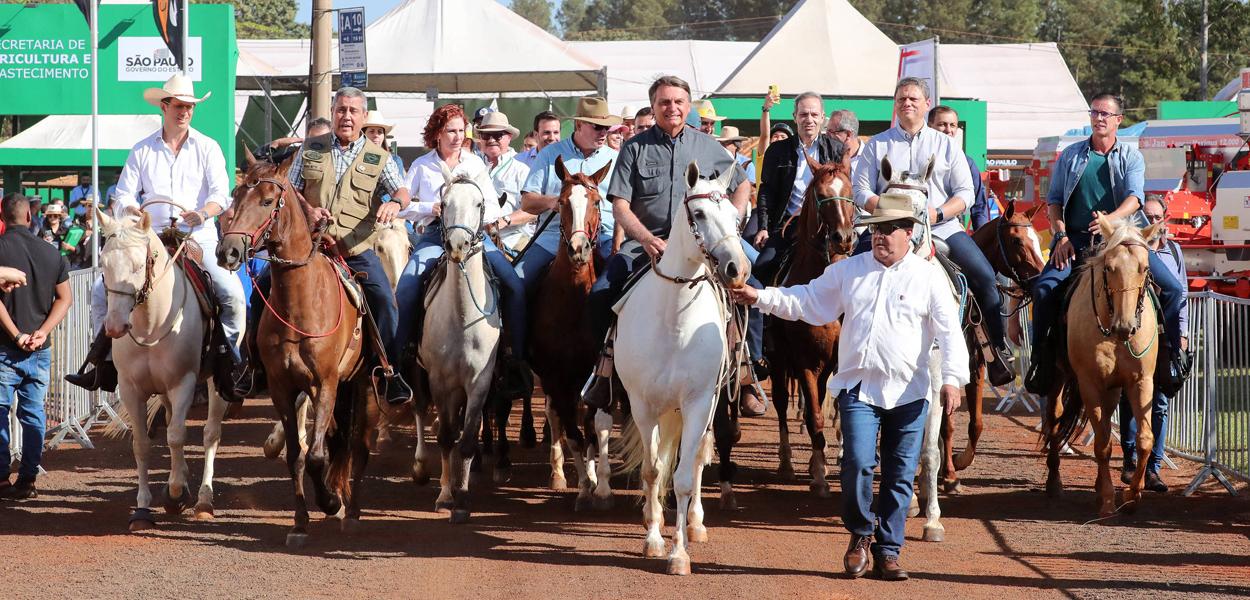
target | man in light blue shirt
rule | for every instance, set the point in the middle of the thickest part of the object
(910, 146)
(585, 152)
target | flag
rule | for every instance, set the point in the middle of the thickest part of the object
(920, 60)
(170, 21)
(85, 7)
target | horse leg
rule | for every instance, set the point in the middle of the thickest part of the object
(1140, 400)
(446, 442)
(212, 439)
(652, 510)
(323, 399)
(529, 438)
(364, 425)
(140, 443)
(603, 467)
(503, 463)
(723, 429)
(275, 442)
(930, 456)
(467, 448)
(558, 482)
(420, 465)
(285, 402)
(695, 530)
(579, 447)
(815, 419)
(488, 434)
(178, 404)
(1095, 407)
(684, 480)
(1050, 426)
(781, 402)
(976, 423)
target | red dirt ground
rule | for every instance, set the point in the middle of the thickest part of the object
(1003, 538)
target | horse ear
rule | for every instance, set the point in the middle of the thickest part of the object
(928, 168)
(1032, 212)
(887, 171)
(1148, 233)
(442, 167)
(248, 156)
(1011, 210)
(599, 175)
(1104, 226)
(145, 221)
(562, 173)
(727, 177)
(692, 174)
(107, 223)
(811, 162)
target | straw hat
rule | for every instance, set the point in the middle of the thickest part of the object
(178, 87)
(594, 110)
(55, 208)
(375, 119)
(729, 134)
(627, 114)
(707, 111)
(892, 207)
(497, 121)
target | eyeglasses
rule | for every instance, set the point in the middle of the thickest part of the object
(888, 227)
(1154, 218)
(1102, 114)
(600, 127)
(491, 135)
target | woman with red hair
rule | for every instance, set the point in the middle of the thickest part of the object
(444, 135)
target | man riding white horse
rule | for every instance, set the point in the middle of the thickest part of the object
(178, 166)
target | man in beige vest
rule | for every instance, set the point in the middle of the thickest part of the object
(343, 176)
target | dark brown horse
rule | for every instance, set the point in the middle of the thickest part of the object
(562, 347)
(309, 341)
(1014, 251)
(808, 354)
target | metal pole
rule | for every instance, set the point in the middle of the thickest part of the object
(319, 78)
(186, 37)
(95, 130)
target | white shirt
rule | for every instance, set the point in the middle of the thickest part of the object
(802, 177)
(907, 152)
(194, 177)
(892, 317)
(425, 186)
(508, 176)
(860, 213)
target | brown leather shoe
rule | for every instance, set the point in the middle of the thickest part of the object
(856, 560)
(887, 568)
(750, 404)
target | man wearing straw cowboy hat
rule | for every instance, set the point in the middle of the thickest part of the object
(731, 140)
(586, 151)
(494, 136)
(375, 130)
(893, 304)
(182, 166)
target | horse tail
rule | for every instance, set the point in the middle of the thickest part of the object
(338, 444)
(633, 449)
(117, 429)
(1072, 419)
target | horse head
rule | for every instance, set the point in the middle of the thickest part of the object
(1124, 263)
(713, 222)
(265, 214)
(393, 247)
(129, 259)
(464, 210)
(1011, 244)
(916, 187)
(828, 211)
(579, 211)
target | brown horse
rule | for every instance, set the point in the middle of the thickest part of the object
(808, 354)
(1014, 251)
(309, 340)
(1112, 344)
(562, 347)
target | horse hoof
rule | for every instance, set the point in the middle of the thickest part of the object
(558, 482)
(502, 475)
(421, 478)
(582, 503)
(820, 489)
(203, 512)
(295, 540)
(1054, 489)
(603, 502)
(653, 550)
(934, 534)
(443, 505)
(952, 487)
(333, 507)
(697, 534)
(459, 516)
(728, 502)
(913, 511)
(679, 565)
(350, 526)
(175, 506)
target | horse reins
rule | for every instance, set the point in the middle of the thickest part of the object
(150, 279)
(476, 241)
(1110, 293)
(715, 197)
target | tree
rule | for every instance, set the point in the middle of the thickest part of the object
(261, 19)
(537, 12)
(570, 16)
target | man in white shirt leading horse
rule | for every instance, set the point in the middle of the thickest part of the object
(895, 305)
(181, 176)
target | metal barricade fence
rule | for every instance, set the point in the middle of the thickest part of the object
(1212, 424)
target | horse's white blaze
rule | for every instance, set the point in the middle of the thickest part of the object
(1035, 243)
(578, 201)
(837, 186)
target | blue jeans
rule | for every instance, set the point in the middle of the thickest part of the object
(1047, 304)
(983, 284)
(902, 433)
(24, 374)
(411, 288)
(533, 265)
(1158, 426)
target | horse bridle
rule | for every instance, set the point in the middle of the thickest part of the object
(820, 202)
(1109, 294)
(261, 236)
(568, 239)
(477, 236)
(715, 196)
(150, 279)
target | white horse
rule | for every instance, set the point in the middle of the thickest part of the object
(460, 341)
(671, 356)
(158, 333)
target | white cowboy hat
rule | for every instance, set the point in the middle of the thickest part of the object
(892, 207)
(375, 119)
(179, 87)
(55, 208)
(729, 133)
(497, 121)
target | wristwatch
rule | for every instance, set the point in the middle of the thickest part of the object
(1059, 235)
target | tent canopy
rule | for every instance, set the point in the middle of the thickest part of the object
(633, 65)
(822, 45)
(65, 140)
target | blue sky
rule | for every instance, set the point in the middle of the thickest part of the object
(373, 8)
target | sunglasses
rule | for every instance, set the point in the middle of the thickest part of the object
(1154, 218)
(889, 227)
(600, 127)
(1102, 114)
(491, 135)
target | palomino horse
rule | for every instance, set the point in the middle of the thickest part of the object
(309, 343)
(562, 347)
(1014, 251)
(672, 358)
(803, 353)
(158, 337)
(393, 248)
(460, 341)
(1113, 343)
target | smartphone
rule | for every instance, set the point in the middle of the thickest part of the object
(773, 92)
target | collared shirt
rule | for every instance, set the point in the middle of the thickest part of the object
(543, 180)
(802, 177)
(1171, 256)
(194, 177)
(911, 153)
(651, 174)
(425, 186)
(391, 181)
(1128, 175)
(891, 317)
(76, 197)
(509, 176)
(527, 157)
(856, 164)
(748, 167)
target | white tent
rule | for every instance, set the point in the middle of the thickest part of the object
(1028, 90)
(73, 132)
(633, 65)
(822, 45)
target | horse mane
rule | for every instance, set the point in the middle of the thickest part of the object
(1123, 233)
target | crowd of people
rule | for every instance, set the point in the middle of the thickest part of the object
(645, 154)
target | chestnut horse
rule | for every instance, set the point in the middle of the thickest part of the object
(562, 347)
(310, 341)
(1112, 345)
(803, 353)
(1014, 251)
